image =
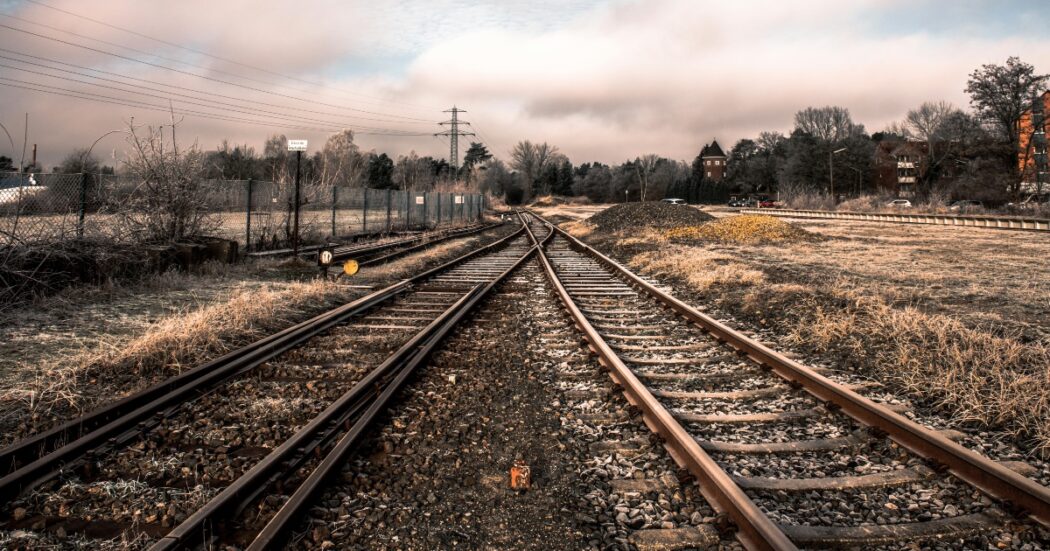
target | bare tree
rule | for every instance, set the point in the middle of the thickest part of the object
(828, 124)
(646, 165)
(412, 172)
(1002, 94)
(342, 163)
(530, 160)
(928, 123)
(170, 202)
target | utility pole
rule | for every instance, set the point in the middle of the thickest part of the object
(453, 134)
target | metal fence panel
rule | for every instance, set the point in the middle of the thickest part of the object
(42, 208)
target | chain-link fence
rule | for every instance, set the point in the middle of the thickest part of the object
(42, 208)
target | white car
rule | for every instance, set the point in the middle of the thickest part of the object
(899, 204)
(674, 201)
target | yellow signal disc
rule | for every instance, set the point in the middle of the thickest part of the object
(350, 267)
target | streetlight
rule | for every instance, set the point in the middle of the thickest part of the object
(831, 171)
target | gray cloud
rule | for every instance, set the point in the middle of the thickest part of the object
(604, 81)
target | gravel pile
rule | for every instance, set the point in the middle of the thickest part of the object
(632, 216)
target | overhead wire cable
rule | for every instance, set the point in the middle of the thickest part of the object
(194, 90)
(213, 56)
(205, 77)
(225, 105)
(181, 111)
(156, 56)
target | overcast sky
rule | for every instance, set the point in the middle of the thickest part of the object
(602, 80)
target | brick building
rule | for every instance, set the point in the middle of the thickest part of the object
(901, 166)
(1032, 156)
(714, 162)
(898, 166)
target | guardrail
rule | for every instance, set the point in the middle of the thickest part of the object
(994, 222)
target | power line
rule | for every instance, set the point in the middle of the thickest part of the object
(205, 77)
(194, 90)
(213, 56)
(153, 55)
(168, 96)
(179, 111)
(454, 133)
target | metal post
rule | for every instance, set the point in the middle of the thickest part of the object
(295, 229)
(364, 210)
(831, 174)
(426, 209)
(438, 223)
(335, 198)
(83, 205)
(388, 199)
(248, 219)
(410, 201)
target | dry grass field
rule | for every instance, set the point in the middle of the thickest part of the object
(72, 351)
(960, 319)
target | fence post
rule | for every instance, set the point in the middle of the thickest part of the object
(248, 219)
(426, 209)
(410, 201)
(438, 222)
(83, 205)
(388, 199)
(335, 197)
(364, 210)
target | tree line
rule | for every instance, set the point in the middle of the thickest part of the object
(974, 154)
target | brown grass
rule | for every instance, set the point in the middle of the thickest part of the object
(747, 229)
(983, 379)
(951, 319)
(578, 229)
(700, 268)
(175, 342)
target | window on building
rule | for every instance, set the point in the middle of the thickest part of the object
(708, 173)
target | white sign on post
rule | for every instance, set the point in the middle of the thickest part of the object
(459, 199)
(296, 145)
(419, 199)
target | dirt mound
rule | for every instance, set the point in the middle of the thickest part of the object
(748, 228)
(630, 216)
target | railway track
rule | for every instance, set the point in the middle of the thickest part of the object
(792, 457)
(374, 254)
(234, 450)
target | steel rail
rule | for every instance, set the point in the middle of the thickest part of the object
(1015, 490)
(424, 245)
(41, 457)
(340, 253)
(952, 220)
(275, 533)
(755, 529)
(310, 437)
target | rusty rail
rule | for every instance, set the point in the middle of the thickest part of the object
(41, 457)
(755, 529)
(1017, 491)
(954, 220)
